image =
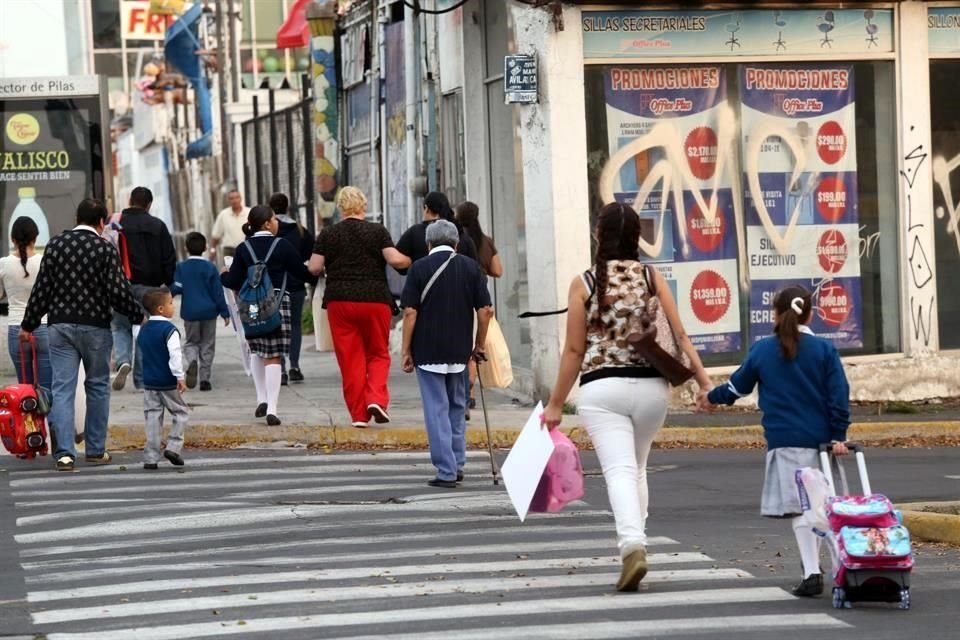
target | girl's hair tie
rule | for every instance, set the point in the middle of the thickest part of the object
(797, 305)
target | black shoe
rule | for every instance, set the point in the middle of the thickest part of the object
(175, 458)
(65, 463)
(151, 466)
(103, 458)
(261, 410)
(78, 438)
(472, 404)
(378, 414)
(284, 380)
(809, 587)
(466, 415)
(273, 420)
(192, 375)
(206, 386)
(460, 475)
(295, 375)
(443, 484)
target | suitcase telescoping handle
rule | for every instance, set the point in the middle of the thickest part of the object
(23, 360)
(826, 453)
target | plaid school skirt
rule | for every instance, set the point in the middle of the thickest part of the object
(276, 344)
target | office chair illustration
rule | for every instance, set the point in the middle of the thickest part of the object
(781, 23)
(871, 28)
(826, 23)
(733, 28)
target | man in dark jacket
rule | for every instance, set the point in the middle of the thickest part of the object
(293, 232)
(149, 260)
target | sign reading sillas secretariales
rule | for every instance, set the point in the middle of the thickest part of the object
(520, 79)
(673, 121)
(800, 184)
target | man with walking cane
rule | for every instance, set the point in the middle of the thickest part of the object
(442, 293)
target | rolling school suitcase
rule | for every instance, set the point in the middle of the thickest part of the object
(872, 555)
(23, 429)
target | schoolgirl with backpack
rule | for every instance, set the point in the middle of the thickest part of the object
(258, 274)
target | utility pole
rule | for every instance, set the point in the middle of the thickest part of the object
(225, 146)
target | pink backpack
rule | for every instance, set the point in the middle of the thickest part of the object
(562, 480)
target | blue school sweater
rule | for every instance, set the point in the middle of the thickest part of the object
(805, 401)
(152, 345)
(197, 280)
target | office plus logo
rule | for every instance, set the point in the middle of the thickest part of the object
(23, 129)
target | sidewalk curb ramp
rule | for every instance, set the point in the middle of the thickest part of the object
(933, 521)
(876, 434)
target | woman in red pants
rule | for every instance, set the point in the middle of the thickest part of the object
(354, 254)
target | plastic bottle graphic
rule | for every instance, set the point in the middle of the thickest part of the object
(28, 207)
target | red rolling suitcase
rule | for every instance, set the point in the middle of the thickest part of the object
(23, 428)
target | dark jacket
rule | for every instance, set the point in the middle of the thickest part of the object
(302, 241)
(153, 258)
(283, 261)
(198, 282)
(413, 243)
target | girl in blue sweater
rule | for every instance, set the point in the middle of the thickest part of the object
(804, 398)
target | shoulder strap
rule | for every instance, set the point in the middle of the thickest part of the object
(249, 247)
(651, 287)
(436, 274)
(273, 245)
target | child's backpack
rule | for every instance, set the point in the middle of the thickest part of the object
(562, 480)
(258, 303)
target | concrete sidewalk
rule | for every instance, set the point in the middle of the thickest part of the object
(313, 414)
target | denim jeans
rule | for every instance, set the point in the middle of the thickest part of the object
(71, 344)
(41, 336)
(622, 416)
(297, 299)
(124, 342)
(444, 407)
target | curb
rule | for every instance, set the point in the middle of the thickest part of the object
(899, 434)
(927, 521)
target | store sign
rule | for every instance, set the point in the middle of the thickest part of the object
(520, 79)
(632, 34)
(53, 86)
(943, 29)
(138, 22)
(800, 186)
(671, 125)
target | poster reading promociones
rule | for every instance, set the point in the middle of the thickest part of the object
(671, 116)
(800, 183)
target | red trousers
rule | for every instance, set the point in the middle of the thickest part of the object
(361, 340)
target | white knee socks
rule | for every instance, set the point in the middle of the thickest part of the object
(273, 374)
(809, 545)
(259, 377)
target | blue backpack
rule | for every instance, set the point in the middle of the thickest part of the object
(258, 303)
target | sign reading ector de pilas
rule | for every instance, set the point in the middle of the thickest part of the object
(53, 86)
(520, 79)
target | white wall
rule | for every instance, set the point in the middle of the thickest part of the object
(43, 38)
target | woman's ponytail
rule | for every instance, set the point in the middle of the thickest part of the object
(247, 229)
(257, 219)
(24, 233)
(793, 306)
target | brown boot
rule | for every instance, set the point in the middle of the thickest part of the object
(633, 570)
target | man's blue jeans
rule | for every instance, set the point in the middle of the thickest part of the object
(124, 352)
(444, 411)
(297, 298)
(71, 344)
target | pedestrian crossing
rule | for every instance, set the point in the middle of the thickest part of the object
(306, 546)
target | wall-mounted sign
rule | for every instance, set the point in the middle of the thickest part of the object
(58, 86)
(520, 79)
(943, 29)
(138, 22)
(619, 35)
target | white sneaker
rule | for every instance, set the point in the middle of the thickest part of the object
(378, 414)
(360, 424)
(120, 380)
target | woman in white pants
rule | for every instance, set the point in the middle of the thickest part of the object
(623, 399)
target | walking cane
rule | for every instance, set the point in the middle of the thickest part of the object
(494, 469)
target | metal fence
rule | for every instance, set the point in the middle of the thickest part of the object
(278, 156)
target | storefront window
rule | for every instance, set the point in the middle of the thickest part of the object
(752, 177)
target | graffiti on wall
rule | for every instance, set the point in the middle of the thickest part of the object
(942, 170)
(922, 296)
(325, 113)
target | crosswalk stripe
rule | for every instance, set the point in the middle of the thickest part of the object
(325, 574)
(379, 592)
(233, 518)
(469, 522)
(306, 545)
(615, 630)
(452, 612)
(306, 560)
(299, 457)
(341, 471)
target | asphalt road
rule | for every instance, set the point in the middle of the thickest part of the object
(290, 545)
